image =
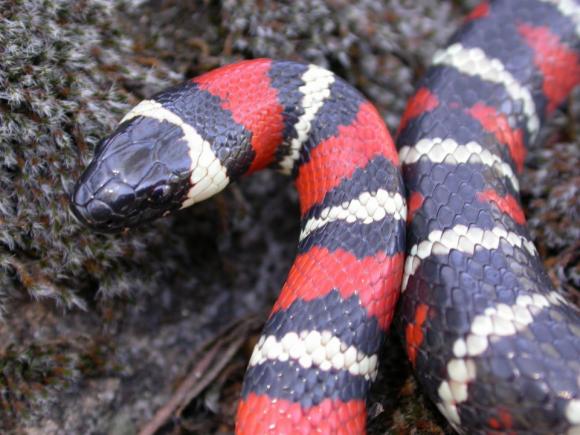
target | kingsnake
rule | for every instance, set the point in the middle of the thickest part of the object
(491, 341)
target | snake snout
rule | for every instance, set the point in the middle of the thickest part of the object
(106, 209)
(117, 205)
(107, 199)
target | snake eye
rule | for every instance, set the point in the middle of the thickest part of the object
(161, 193)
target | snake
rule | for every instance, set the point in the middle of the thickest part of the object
(428, 234)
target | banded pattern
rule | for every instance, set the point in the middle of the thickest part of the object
(492, 342)
(319, 346)
(314, 91)
(208, 176)
(318, 353)
(437, 150)
(494, 345)
(474, 62)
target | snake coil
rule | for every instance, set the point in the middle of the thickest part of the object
(492, 342)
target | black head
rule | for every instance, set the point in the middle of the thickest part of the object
(141, 172)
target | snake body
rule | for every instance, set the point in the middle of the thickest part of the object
(492, 342)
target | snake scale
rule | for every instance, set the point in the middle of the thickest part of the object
(435, 222)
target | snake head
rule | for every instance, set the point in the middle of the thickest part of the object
(139, 173)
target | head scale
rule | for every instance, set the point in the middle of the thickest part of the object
(140, 172)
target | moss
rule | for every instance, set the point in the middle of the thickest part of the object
(60, 69)
(33, 376)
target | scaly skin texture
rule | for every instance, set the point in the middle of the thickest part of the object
(318, 354)
(492, 342)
